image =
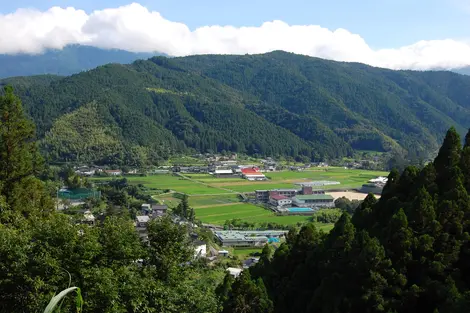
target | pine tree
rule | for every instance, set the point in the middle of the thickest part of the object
(363, 216)
(20, 160)
(400, 240)
(448, 160)
(248, 296)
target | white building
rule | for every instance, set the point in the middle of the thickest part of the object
(235, 272)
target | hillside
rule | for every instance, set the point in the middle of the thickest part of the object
(406, 252)
(70, 60)
(271, 104)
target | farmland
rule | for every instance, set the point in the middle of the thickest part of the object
(217, 200)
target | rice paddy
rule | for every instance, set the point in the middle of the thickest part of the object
(217, 200)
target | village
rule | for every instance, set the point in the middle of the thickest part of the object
(304, 200)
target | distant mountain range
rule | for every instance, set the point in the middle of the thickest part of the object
(77, 58)
(274, 104)
(463, 70)
(70, 60)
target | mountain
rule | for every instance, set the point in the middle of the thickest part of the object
(270, 104)
(70, 60)
(463, 70)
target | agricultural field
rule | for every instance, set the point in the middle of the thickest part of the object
(173, 183)
(217, 199)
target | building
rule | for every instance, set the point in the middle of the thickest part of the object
(153, 210)
(250, 262)
(235, 272)
(279, 200)
(314, 201)
(85, 171)
(252, 173)
(251, 238)
(289, 193)
(142, 221)
(88, 218)
(159, 210)
(223, 172)
(262, 195)
(113, 172)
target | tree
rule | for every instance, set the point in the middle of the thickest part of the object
(448, 160)
(248, 296)
(169, 246)
(224, 289)
(20, 160)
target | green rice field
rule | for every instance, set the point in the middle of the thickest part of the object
(216, 199)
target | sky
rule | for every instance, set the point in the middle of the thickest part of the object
(398, 34)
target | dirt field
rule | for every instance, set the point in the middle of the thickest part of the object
(351, 195)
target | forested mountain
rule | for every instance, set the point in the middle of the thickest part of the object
(271, 104)
(407, 252)
(69, 60)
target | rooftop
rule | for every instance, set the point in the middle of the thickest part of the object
(249, 235)
(314, 197)
(142, 218)
(278, 197)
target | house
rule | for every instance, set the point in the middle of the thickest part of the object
(223, 252)
(154, 210)
(313, 201)
(279, 200)
(253, 173)
(235, 272)
(250, 262)
(113, 172)
(142, 221)
(159, 210)
(88, 218)
(85, 171)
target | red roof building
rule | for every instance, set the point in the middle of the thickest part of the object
(278, 197)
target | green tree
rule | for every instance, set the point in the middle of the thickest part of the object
(20, 160)
(169, 246)
(248, 296)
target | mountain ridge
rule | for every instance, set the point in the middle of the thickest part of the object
(277, 104)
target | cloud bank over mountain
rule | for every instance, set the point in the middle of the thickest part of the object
(134, 28)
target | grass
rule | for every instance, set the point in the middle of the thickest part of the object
(246, 252)
(251, 213)
(215, 199)
(175, 183)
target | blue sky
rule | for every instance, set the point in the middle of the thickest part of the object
(383, 23)
(416, 34)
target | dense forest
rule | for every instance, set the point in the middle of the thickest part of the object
(407, 252)
(275, 104)
(44, 251)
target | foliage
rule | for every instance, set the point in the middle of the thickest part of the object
(152, 109)
(406, 252)
(42, 250)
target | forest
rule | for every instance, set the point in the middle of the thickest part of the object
(407, 252)
(274, 104)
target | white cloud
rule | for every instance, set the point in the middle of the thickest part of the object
(135, 28)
